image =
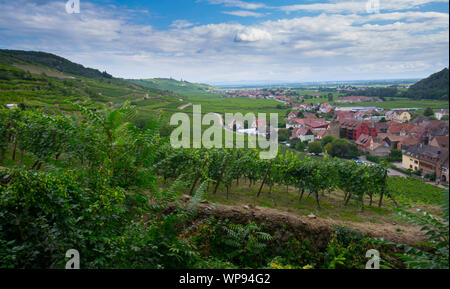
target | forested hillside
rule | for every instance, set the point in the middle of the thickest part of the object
(55, 62)
(44, 80)
(436, 86)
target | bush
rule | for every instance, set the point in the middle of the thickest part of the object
(300, 146)
(395, 156)
(42, 215)
(315, 148)
(373, 159)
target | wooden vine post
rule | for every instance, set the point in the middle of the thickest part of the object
(197, 177)
(221, 175)
(265, 177)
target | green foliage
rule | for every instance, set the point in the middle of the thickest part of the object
(244, 245)
(346, 249)
(284, 134)
(90, 186)
(396, 155)
(437, 231)
(326, 140)
(315, 147)
(340, 147)
(433, 87)
(92, 208)
(377, 92)
(300, 146)
(56, 62)
(428, 112)
(45, 214)
(414, 190)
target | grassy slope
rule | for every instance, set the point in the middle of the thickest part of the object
(210, 102)
(25, 83)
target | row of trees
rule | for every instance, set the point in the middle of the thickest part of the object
(45, 138)
(312, 175)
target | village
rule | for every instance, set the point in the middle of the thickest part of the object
(418, 137)
(423, 141)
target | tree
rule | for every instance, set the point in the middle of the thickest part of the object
(315, 147)
(300, 146)
(428, 112)
(396, 155)
(353, 151)
(338, 148)
(326, 140)
(284, 134)
(330, 97)
(445, 117)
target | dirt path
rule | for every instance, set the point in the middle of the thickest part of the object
(316, 228)
(181, 107)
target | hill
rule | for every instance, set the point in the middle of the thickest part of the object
(184, 88)
(53, 61)
(433, 87)
(39, 79)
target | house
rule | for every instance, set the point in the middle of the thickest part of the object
(345, 115)
(398, 115)
(398, 142)
(425, 158)
(325, 107)
(440, 141)
(305, 106)
(410, 160)
(11, 105)
(403, 116)
(379, 149)
(316, 124)
(440, 113)
(319, 134)
(352, 129)
(397, 128)
(259, 122)
(310, 116)
(291, 115)
(437, 128)
(234, 123)
(334, 129)
(296, 122)
(381, 127)
(364, 142)
(303, 134)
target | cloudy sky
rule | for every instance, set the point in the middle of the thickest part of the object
(225, 41)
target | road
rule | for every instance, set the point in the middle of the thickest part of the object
(391, 172)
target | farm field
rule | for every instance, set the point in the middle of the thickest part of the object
(398, 102)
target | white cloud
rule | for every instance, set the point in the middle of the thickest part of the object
(252, 34)
(179, 24)
(243, 13)
(238, 4)
(357, 6)
(322, 47)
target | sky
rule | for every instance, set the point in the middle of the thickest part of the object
(238, 41)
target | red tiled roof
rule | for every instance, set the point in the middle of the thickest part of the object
(363, 140)
(301, 131)
(442, 141)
